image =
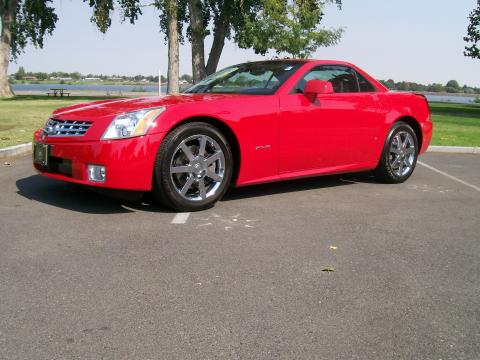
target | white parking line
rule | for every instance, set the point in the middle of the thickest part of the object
(180, 218)
(450, 176)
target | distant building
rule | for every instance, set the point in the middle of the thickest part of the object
(60, 78)
(92, 79)
(30, 78)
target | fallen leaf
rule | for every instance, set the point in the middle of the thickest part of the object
(328, 269)
(333, 247)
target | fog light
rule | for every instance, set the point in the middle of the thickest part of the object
(96, 173)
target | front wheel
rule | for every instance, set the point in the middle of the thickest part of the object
(193, 168)
(399, 155)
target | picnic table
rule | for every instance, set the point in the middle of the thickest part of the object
(58, 92)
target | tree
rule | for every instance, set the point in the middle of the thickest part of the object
(186, 77)
(22, 22)
(20, 74)
(225, 16)
(435, 87)
(236, 19)
(390, 84)
(452, 86)
(472, 49)
(172, 13)
(288, 27)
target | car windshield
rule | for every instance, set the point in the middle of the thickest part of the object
(261, 78)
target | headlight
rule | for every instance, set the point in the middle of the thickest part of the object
(135, 123)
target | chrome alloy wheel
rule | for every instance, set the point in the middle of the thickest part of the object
(402, 153)
(197, 167)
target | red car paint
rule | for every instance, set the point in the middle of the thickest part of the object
(274, 137)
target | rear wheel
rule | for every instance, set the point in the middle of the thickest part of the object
(193, 167)
(399, 155)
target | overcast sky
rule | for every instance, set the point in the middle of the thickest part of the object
(411, 40)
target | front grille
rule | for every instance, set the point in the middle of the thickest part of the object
(55, 127)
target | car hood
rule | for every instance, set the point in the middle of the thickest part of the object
(107, 109)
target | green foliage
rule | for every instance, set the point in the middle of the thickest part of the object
(20, 74)
(101, 13)
(472, 49)
(186, 77)
(453, 84)
(288, 27)
(435, 87)
(33, 20)
(452, 87)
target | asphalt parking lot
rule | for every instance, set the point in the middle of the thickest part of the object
(84, 276)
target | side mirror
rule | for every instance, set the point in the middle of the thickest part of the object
(316, 87)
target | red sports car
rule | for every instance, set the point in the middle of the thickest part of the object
(247, 124)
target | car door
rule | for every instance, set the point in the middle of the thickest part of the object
(335, 130)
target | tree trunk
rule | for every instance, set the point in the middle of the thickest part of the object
(198, 36)
(172, 34)
(219, 33)
(216, 49)
(7, 15)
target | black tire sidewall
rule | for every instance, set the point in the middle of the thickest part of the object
(166, 189)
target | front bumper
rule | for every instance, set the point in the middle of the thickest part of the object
(129, 162)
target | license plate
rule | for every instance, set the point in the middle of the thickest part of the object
(41, 153)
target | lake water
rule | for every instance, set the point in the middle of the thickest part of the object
(97, 88)
(116, 89)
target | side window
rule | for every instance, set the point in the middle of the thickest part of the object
(364, 84)
(343, 78)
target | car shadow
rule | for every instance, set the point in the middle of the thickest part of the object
(102, 201)
(82, 199)
(297, 185)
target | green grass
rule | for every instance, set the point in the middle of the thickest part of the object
(456, 125)
(22, 115)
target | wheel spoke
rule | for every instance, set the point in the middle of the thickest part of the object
(203, 144)
(186, 150)
(214, 176)
(216, 156)
(181, 169)
(395, 162)
(187, 185)
(410, 151)
(400, 168)
(395, 151)
(201, 187)
(399, 142)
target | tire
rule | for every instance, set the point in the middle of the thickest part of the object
(398, 159)
(191, 155)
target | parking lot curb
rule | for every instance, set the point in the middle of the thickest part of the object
(454, 149)
(17, 150)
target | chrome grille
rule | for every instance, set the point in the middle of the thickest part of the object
(55, 127)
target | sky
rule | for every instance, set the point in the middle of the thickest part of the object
(408, 40)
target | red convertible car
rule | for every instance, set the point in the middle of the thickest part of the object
(247, 124)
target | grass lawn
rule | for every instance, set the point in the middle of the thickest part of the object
(22, 115)
(456, 125)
